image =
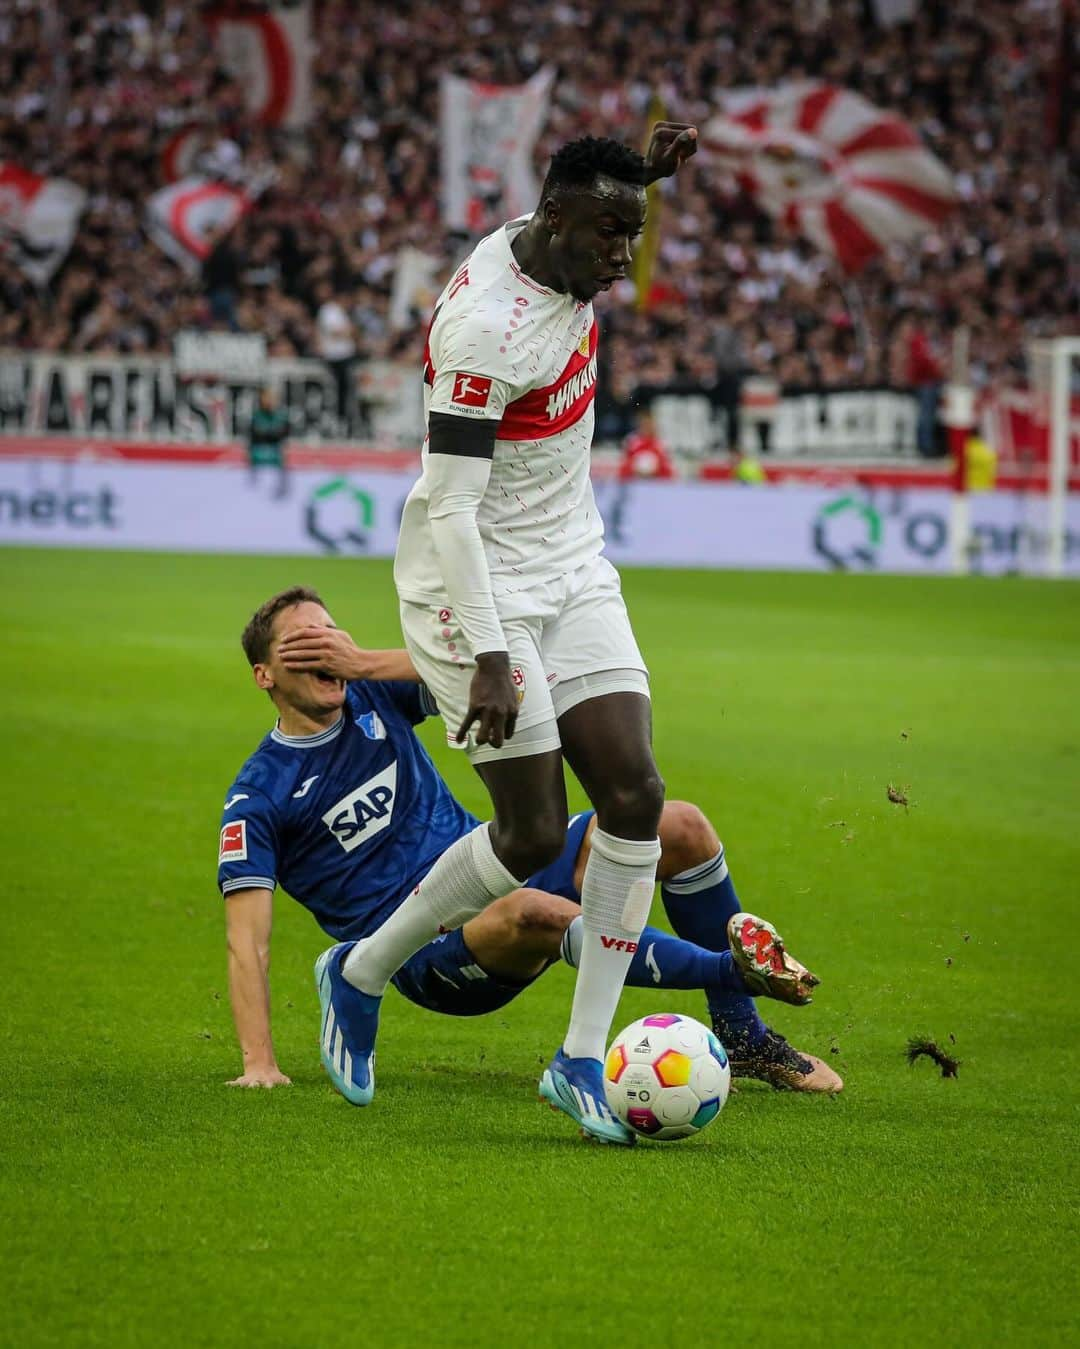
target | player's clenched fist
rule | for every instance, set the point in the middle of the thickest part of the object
(493, 701)
(671, 146)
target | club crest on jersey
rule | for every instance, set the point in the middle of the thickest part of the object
(233, 842)
(372, 725)
(471, 391)
(365, 812)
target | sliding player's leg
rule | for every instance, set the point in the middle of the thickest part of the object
(699, 899)
(504, 949)
(701, 902)
(482, 966)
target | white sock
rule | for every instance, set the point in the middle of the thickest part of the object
(463, 882)
(570, 946)
(616, 895)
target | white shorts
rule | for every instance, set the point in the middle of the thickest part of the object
(568, 639)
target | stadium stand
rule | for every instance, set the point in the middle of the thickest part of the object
(98, 100)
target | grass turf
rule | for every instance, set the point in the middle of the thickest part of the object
(142, 1201)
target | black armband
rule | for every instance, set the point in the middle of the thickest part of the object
(460, 435)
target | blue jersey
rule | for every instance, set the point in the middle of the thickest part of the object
(348, 821)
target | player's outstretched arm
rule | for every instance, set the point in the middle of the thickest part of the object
(333, 651)
(248, 917)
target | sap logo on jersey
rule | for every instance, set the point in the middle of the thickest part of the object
(358, 817)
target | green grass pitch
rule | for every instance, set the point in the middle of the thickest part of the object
(145, 1203)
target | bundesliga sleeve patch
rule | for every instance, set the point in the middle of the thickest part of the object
(471, 391)
(233, 842)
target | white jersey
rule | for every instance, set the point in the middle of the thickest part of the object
(503, 348)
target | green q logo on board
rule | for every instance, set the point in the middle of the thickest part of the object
(847, 534)
(340, 516)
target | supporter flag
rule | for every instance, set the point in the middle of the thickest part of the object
(182, 217)
(38, 220)
(488, 132)
(415, 288)
(850, 177)
(181, 151)
(267, 50)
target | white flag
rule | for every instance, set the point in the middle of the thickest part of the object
(488, 133)
(182, 217)
(415, 289)
(38, 220)
(267, 49)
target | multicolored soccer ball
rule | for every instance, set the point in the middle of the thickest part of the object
(666, 1076)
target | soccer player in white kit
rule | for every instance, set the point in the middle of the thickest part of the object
(511, 614)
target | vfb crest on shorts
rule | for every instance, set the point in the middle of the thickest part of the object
(365, 812)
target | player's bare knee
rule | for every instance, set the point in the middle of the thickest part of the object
(686, 836)
(630, 809)
(540, 919)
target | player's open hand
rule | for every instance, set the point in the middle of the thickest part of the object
(261, 1077)
(493, 701)
(330, 650)
(671, 146)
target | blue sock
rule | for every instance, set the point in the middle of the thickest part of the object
(664, 961)
(699, 903)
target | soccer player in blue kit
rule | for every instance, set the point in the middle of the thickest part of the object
(341, 806)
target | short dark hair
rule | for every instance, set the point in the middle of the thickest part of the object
(255, 639)
(579, 163)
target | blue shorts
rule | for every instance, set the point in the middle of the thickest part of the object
(444, 976)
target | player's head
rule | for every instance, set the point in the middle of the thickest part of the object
(311, 692)
(592, 206)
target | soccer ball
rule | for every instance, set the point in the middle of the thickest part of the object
(666, 1076)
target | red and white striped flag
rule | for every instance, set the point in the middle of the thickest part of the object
(847, 175)
(38, 220)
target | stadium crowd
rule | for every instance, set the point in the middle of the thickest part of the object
(96, 98)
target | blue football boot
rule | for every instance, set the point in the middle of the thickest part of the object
(576, 1086)
(350, 1022)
